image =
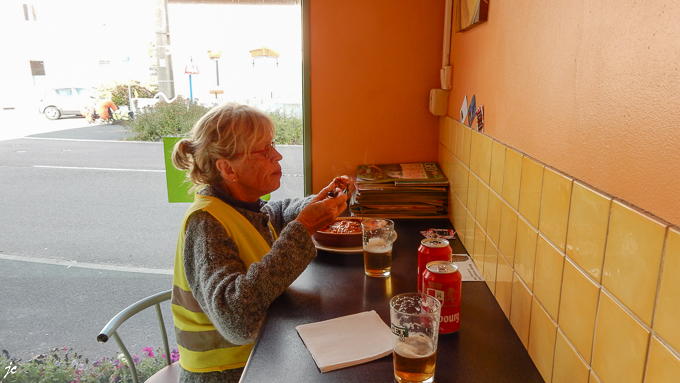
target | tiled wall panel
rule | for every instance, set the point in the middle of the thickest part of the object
(590, 284)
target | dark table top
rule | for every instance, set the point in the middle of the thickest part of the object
(485, 349)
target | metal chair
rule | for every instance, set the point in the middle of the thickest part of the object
(169, 372)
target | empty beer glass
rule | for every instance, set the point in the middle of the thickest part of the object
(414, 320)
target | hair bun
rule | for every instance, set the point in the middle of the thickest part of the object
(187, 146)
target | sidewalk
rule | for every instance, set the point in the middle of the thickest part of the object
(18, 123)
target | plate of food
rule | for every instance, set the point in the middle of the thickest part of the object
(342, 236)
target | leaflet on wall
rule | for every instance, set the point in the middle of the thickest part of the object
(463, 110)
(471, 111)
(480, 118)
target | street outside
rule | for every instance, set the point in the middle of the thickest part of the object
(87, 231)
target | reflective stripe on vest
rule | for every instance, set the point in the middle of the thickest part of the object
(202, 348)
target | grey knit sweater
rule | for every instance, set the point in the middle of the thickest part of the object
(234, 297)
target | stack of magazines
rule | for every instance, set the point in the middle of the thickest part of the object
(414, 190)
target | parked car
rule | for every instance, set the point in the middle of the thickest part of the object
(57, 102)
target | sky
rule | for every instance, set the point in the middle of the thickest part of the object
(235, 30)
(87, 42)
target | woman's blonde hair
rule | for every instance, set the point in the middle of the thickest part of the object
(224, 131)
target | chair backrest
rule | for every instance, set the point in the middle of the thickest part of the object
(110, 330)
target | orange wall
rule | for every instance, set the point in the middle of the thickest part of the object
(589, 88)
(373, 64)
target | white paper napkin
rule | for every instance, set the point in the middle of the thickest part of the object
(347, 341)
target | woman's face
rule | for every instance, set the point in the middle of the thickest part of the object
(257, 175)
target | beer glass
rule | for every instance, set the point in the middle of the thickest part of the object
(414, 321)
(377, 237)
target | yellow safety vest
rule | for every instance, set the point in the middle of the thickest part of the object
(201, 347)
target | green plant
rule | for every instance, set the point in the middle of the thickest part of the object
(118, 92)
(64, 365)
(178, 117)
(288, 127)
(165, 119)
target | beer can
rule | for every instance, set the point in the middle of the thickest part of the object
(443, 281)
(431, 249)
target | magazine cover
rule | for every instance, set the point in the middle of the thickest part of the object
(413, 173)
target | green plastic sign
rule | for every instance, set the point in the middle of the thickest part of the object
(177, 183)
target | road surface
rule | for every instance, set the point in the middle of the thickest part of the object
(86, 231)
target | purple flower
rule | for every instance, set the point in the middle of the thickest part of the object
(148, 351)
(135, 358)
(174, 356)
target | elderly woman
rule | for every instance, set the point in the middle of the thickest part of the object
(235, 252)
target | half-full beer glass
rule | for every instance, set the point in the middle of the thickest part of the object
(415, 324)
(377, 236)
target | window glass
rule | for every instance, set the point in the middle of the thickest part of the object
(88, 197)
(64, 91)
(85, 91)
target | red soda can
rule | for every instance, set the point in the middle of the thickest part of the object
(443, 281)
(431, 249)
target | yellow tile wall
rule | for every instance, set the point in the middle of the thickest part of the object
(590, 283)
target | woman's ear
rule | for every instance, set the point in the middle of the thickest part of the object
(226, 169)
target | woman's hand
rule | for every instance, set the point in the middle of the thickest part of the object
(324, 209)
(336, 187)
